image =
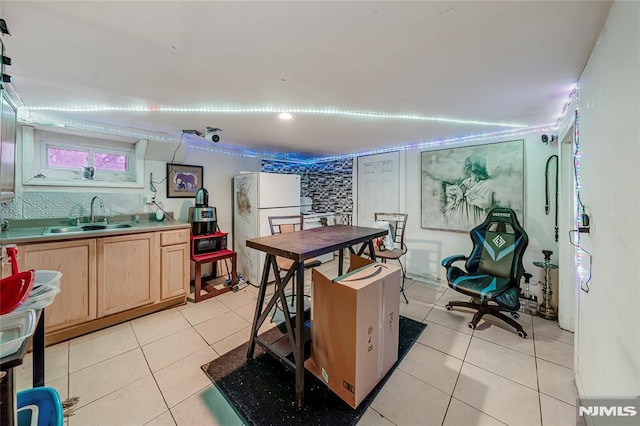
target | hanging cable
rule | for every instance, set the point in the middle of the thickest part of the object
(152, 183)
(546, 192)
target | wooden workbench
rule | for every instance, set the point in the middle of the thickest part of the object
(299, 246)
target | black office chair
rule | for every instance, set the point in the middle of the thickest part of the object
(493, 270)
(282, 225)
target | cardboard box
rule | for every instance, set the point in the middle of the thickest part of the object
(355, 329)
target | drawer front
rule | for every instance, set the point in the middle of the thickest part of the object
(180, 236)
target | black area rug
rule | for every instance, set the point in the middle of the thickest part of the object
(263, 391)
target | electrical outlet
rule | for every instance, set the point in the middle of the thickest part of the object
(148, 198)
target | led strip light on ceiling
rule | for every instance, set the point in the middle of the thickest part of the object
(273, 110)
(80, 125)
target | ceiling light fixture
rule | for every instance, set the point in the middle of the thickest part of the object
(285, 116)
(272, 110)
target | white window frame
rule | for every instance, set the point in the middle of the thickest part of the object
(35, 144)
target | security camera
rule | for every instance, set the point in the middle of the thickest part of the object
(210, 134)
(548, 138)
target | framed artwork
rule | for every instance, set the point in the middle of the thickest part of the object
(183, 180)
(461, 185)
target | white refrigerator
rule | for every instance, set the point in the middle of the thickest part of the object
(256, 196)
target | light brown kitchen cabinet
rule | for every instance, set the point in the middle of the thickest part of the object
(76, 302)
(174, 258)
(128, 272)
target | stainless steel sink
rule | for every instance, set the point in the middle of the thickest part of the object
(85, 228)
(93, 227)
(120, 225)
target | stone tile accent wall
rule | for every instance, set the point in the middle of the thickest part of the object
(36, 205)
(329, 184)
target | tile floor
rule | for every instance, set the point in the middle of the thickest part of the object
(147, 371)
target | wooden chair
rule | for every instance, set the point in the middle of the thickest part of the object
(398, 222)
(283, 225)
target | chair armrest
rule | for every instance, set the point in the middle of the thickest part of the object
(447, 261)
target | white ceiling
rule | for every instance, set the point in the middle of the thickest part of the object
(510, 62)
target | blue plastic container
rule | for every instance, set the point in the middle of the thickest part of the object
(39, 407)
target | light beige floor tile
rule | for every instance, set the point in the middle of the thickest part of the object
(554, 351)
(103, 332)
(233, 300)
(431, 366)
(56, 363)
(135, 404)
(461, 414)
(557, 381)
(501, 398)
(86, 352)
(456, 319)
(164, 419)
(451, 295)
(552, 330)
(170, 349)
(101, 379)
(420, 291)
(199, 312)
(159, 327)
(231, 342)
(207, 407)
(416, 309)
(497, 331)
(252, 289)
(246, 312)
(405, 400)
(445, 340)
(505, 362)
(372, 418)
(184, 378)
(153, 316)
(434, 285)
(556, 413)
(61, 385)
(220, 327)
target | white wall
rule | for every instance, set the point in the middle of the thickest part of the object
(218, 172)
(427, 247)
(608, 335)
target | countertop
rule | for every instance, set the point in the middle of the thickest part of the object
(35, 234)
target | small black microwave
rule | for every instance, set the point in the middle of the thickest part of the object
(208, 244)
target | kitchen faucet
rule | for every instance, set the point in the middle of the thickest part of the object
(92, 217)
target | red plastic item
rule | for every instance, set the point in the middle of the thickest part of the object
(12, 252)
(14, 290)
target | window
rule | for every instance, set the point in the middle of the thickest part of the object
(63, 160)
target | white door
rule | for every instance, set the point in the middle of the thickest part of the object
(378, 186)
(567, 276)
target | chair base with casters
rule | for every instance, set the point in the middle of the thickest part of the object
(493, 269)
(504, 300)
(494, 310)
